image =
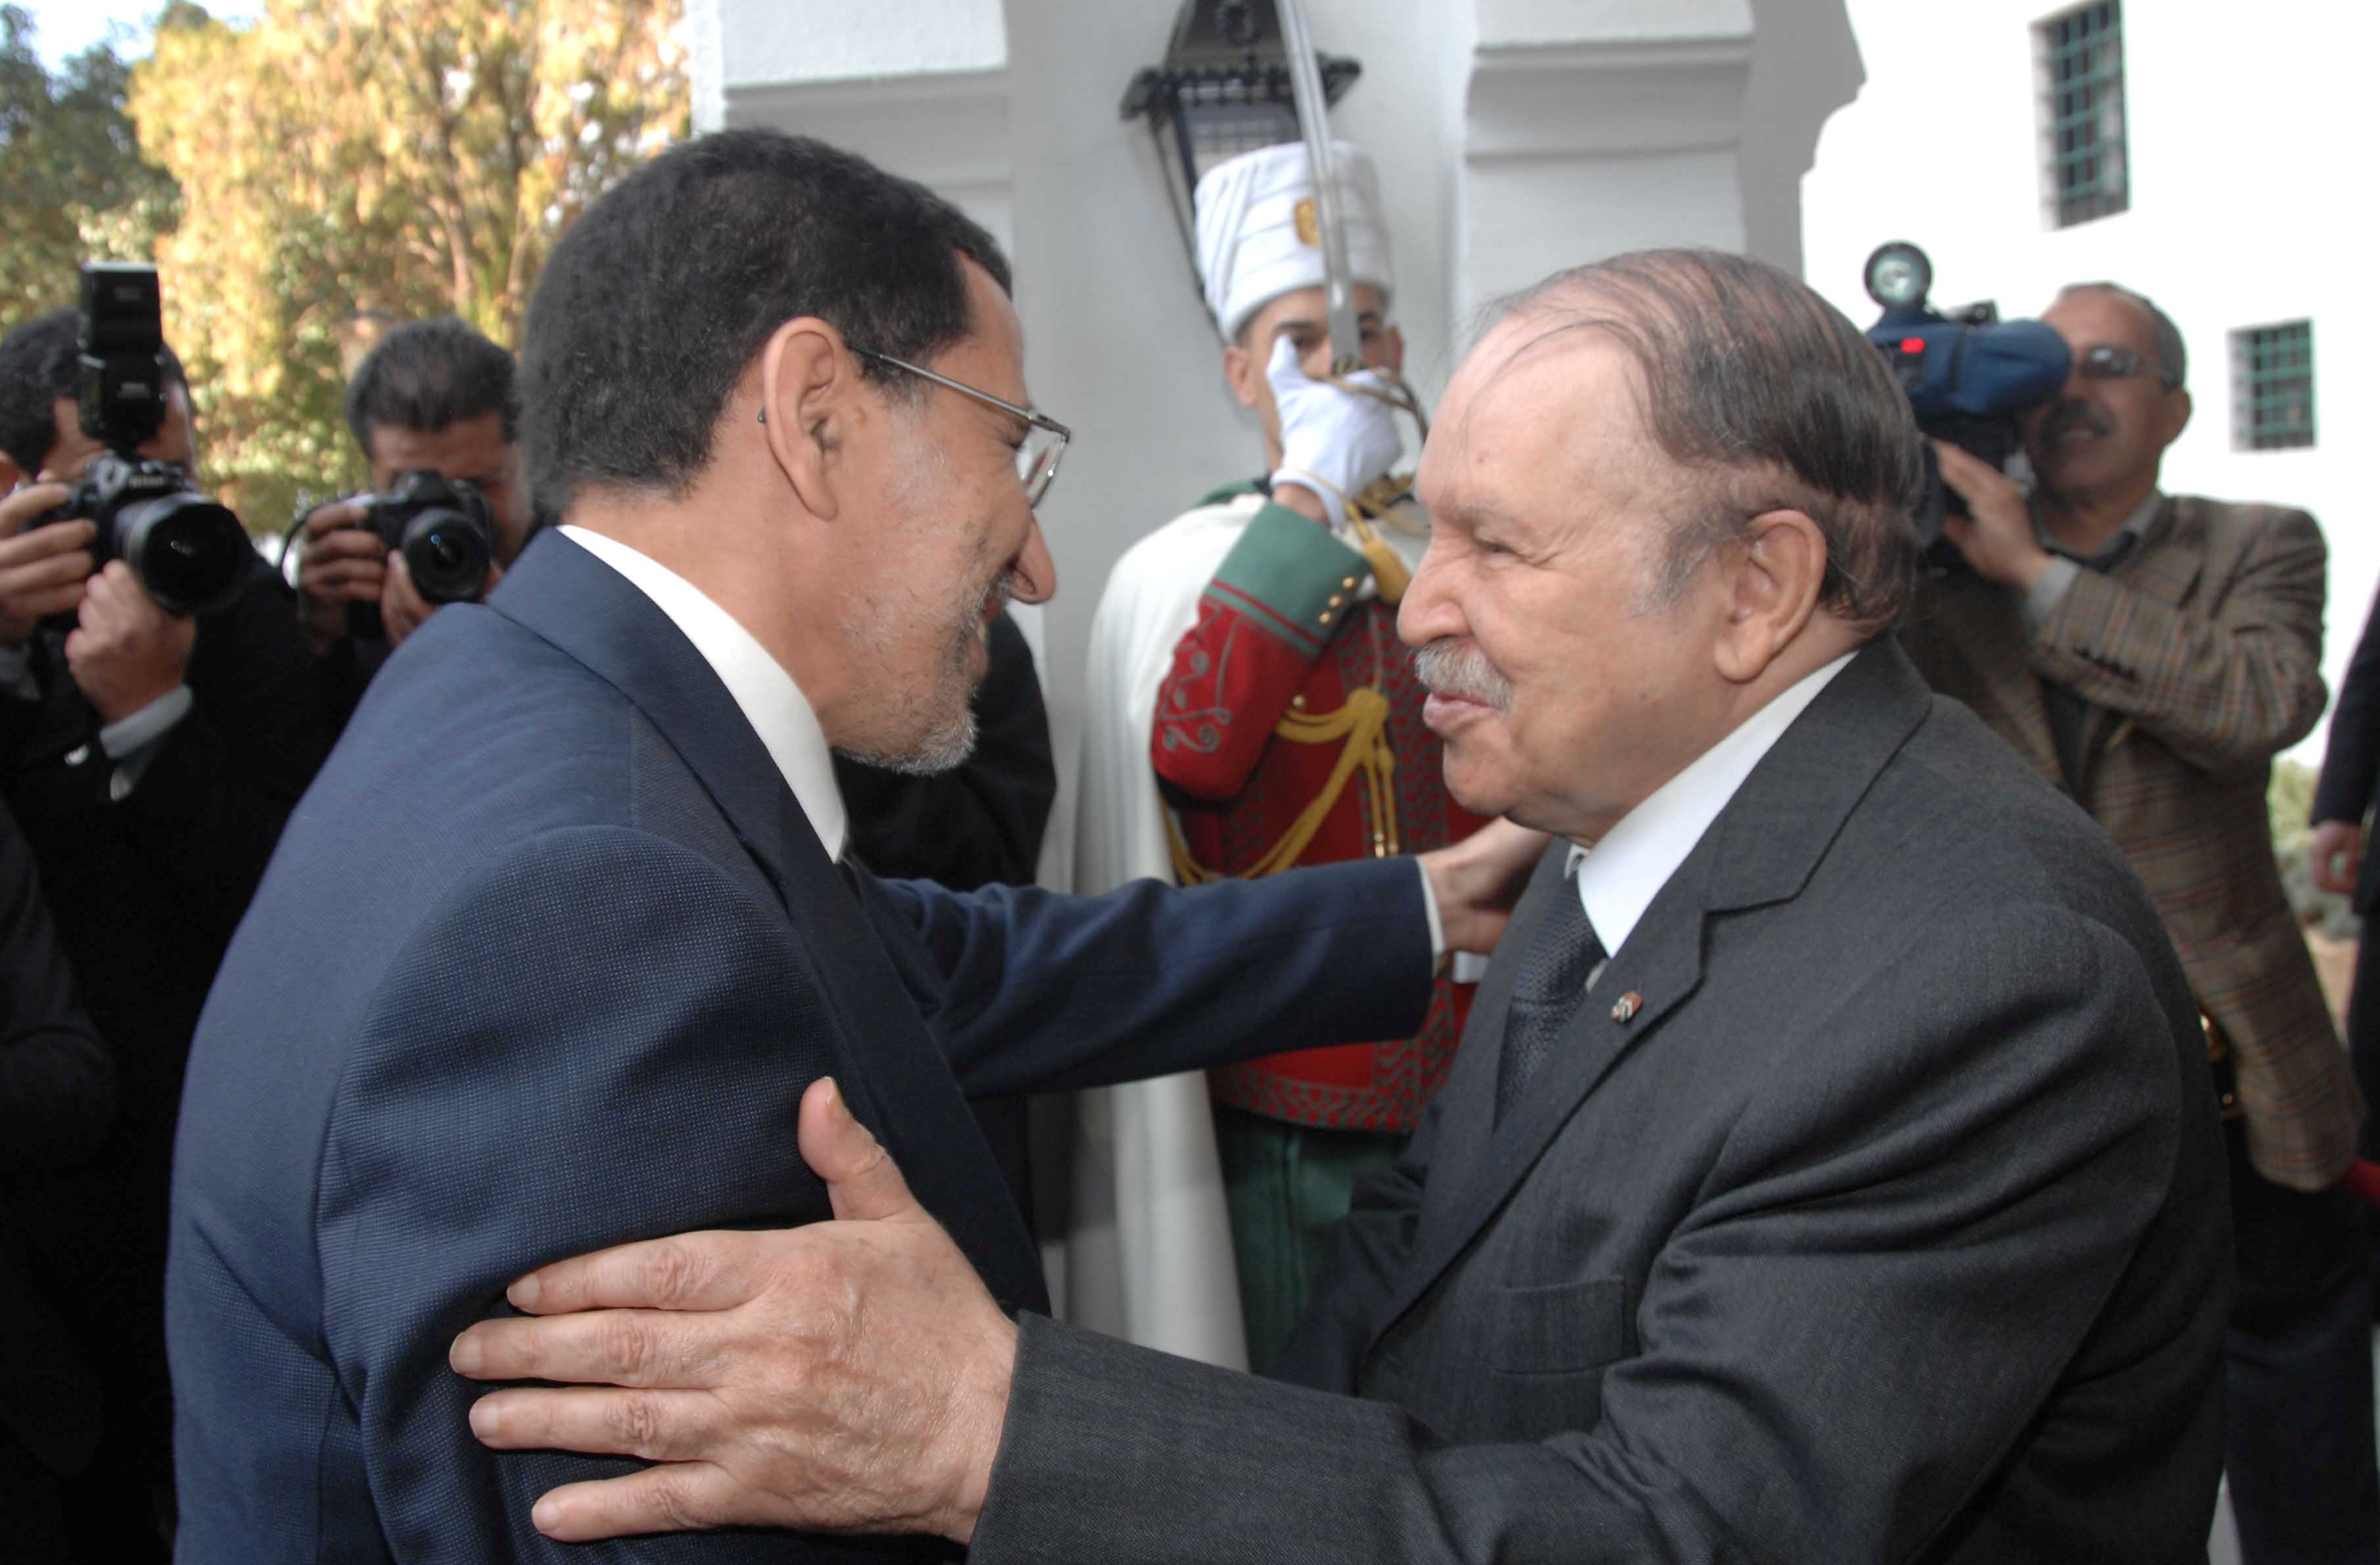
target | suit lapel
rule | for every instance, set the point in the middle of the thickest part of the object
(1761, 849)
(899, 1085)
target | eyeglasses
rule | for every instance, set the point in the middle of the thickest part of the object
(2114, 361)
(1045, 438)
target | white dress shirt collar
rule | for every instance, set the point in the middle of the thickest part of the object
(1618, 879)
(762, 691)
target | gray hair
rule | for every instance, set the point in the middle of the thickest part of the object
(1771, 400)
(2164, 335)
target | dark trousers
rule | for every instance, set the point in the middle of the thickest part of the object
(2299, 1446)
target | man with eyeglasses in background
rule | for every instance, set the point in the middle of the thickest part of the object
(2151, 653)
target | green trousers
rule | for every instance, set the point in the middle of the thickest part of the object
(1288, 1186)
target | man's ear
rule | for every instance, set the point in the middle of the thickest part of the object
(809, 409)
(1776, 571)
(1242, 371)
(2177, 413)
(10, 474)
(1396, 355)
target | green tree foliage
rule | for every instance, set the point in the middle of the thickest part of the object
(344, 163)
(77, 185)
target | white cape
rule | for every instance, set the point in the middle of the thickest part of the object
(1148, 1250)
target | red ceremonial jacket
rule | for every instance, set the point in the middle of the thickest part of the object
(1289, 732)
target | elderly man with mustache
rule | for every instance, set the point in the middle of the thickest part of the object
(1830, 1170)
(2150, 654)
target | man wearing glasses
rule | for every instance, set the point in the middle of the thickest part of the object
(565, 984)
(2151, 653)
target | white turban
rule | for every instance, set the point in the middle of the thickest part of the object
(1259, 238)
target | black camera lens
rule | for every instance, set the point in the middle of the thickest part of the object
(448, 555)
(188, 550)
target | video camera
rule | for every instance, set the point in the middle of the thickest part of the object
(1968, 374)
(188, 550)
(445, 529)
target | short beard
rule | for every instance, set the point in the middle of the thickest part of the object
(1450, 668)
(945, 713)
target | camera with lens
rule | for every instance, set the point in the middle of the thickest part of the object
(446, 531)
(1968, 374)
(188, 550)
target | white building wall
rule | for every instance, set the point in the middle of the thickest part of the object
(2250, 137)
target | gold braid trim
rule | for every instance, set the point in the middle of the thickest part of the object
(1362, 724)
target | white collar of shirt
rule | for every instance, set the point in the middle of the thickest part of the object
(1618, 879)
(762, 691)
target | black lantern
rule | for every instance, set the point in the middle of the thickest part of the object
(1222, 90)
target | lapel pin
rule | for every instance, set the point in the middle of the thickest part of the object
(1625, 1008)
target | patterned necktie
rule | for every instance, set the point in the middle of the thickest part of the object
(1546, 993)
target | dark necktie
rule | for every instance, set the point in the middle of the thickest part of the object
(1546, 994)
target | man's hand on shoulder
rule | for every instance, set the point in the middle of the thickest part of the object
(1996, 535)
(1478, 879)
(850, 1376)
(126, 651)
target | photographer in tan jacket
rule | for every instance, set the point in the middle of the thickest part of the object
(2151, 653)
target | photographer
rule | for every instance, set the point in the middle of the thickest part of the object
(432, 396)
(2151, 653)
(152, 758)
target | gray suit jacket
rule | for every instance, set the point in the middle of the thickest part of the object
(1887, 1222)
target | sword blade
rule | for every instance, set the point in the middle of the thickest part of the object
(1314, 119)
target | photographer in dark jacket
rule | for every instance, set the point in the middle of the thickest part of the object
(151, 759)
(58, 1091)
(432, 395)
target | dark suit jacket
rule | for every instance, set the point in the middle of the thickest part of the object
(2350, 759)
(57, 1093)
(1884, 1223)
(559, 983)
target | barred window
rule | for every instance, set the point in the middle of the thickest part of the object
(2272, 387)
(2079, 58)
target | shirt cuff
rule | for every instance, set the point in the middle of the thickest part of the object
(131, 741)
(2041, 598)
(1436, 924)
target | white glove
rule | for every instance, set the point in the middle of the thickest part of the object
(1335, 442)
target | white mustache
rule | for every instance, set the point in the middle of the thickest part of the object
(1447, 668)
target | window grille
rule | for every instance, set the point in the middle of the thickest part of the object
(2272, 387)
(2085, 157)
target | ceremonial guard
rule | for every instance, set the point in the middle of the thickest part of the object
(1250, 709)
